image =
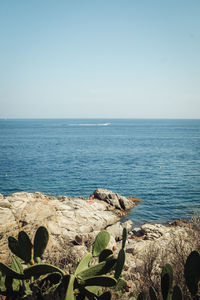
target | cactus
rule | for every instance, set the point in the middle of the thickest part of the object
(21, 247)
(120, 263)
(105, 254)
(166, 281)
(45, 279)
(41, 269)
(192, 272)
(10, 272)
(105, 296)
(177, 293)
(105, 281)
(84, 263)
(40, 242)
(14, 247)
(2, 283)
(124, 237)
(25, 246)
(70, 289)
(152, 293)
(100, 243)
(121, 284)
(99, 269)
(16, 265)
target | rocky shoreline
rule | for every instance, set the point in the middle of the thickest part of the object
(70, 221)
(73, 224)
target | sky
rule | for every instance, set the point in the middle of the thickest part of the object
(100, 59)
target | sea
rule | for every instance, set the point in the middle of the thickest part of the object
(156, 160)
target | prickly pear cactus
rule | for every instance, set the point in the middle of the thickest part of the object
(177, 293)
(41, 269)
(120, 263)
(101, 242)
(105, 254)
(192, 272)
(99, 269)
(166, 281)
(124, 237)
(86, 282)
(40, 242)
(84, 263)
(152, 293)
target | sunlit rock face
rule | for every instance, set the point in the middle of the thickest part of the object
(68, 219)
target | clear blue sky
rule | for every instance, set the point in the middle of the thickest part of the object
(100, 58)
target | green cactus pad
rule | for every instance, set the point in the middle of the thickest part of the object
(101, 242)
(120, 263)
(121, 284)
(2, 283)
(105, 281)
(105, 296)
(25, 246)
(166, 281)
(105, 254)
(152, 293)
(97, 290)
(9, 272)
(192, 272)
(52, 278)
(70, 289)
(84, 263)
(40, 242)
(177, 293)
(16, 265)
(124, 237)
(99, 269)
(14, 247)
(41, 269)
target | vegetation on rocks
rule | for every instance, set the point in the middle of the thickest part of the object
(99, 274)
(32, 279)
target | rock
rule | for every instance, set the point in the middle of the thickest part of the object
(115, 230)
(73, 224)
(128, 225)
(114, 199)
(4, 203)
(154, 231)
(138, 232)
(70, 221)
(160, 245)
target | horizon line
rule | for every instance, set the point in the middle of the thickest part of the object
(95, 118)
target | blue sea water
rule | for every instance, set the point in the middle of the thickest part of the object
(155, 160)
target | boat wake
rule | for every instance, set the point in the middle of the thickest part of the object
(91, 124)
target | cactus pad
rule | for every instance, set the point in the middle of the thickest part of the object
(166, 281)
(192, 272)
(101, 242)
(105, 281)
(120, 263)
(40, 242)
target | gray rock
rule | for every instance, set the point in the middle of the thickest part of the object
(114, 199)
(137, 231)
(68, 220)
(116, 231)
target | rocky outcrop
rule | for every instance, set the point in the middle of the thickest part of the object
(151, 246)
(69, 221)
(113, 199)
(73, 224)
